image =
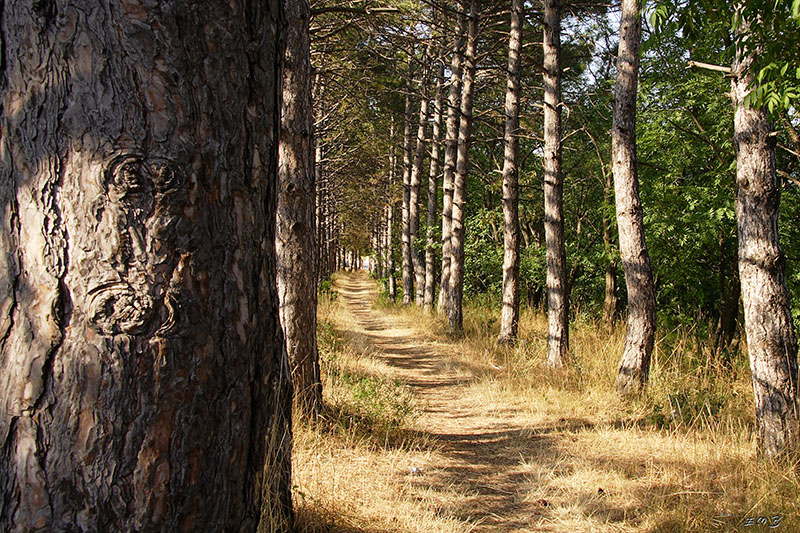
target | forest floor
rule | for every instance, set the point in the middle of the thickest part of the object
(424, 432)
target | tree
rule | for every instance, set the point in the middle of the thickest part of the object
(145, 385)
(510, 314)
(640, 333)
(456, 292)
(408, 145)
(417, 264)
(557, 298)
(295, 220)
(771, 341)
(450, 157)
(433, 185)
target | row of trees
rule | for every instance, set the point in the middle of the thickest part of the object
(584, 203)
(166, 213)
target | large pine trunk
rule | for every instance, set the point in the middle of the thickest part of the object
(144, 383)
(509, 322)
(771, 341)
(295, 234)
(450, 155)
(634, 368)
(456, 292)
(557, 283)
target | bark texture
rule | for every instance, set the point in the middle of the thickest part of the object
(456, 293)
(144, 381)
(295, 221)
(433, 186)
(771, 341)
(557, 283)
(509, 322)
(634, 368)
(450, 155)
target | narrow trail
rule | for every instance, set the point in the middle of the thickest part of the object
(480, 449)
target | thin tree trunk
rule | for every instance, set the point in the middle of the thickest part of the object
(450, 156)
(390, 218)
(295, 234)
(557, 283)
(771, 341)
(610, 297)
(408, 146)
(433, 185)
(455, 315)
(143, 379)
(634, 368)
(509, 322)
(416, 169)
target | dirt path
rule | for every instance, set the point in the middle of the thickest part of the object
(479, 451)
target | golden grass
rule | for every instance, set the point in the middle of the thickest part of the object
(532, 449)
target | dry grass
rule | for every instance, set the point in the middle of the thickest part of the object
(520, 447)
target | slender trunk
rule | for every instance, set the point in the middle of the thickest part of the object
(416, 169)
(408, 146)
(455, 316)
(450, 155)
(557, 283)
(634, 368)
(295, 235)
(509, 322)
(143, 380)
(771, 341)
(433, 185)
(610, 299)
(390, 217)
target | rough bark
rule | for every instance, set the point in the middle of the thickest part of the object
(456, 292)
(414, 183)
(433, 186)
(295, 224)
(408, 147)
(144, 381)
(771, 342)
(634, 368)
(450, 156)
(557, 283)
(509, 322)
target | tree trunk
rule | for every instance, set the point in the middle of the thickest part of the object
(416, 169)
(408, 146)
(634, 369)
(610, 297)
(771, 341)
(509, 322)
(455, 311)
(390, 217)
(557, 299)
(144, 381)
(450, 156)
(295, 234)
(433, 185)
